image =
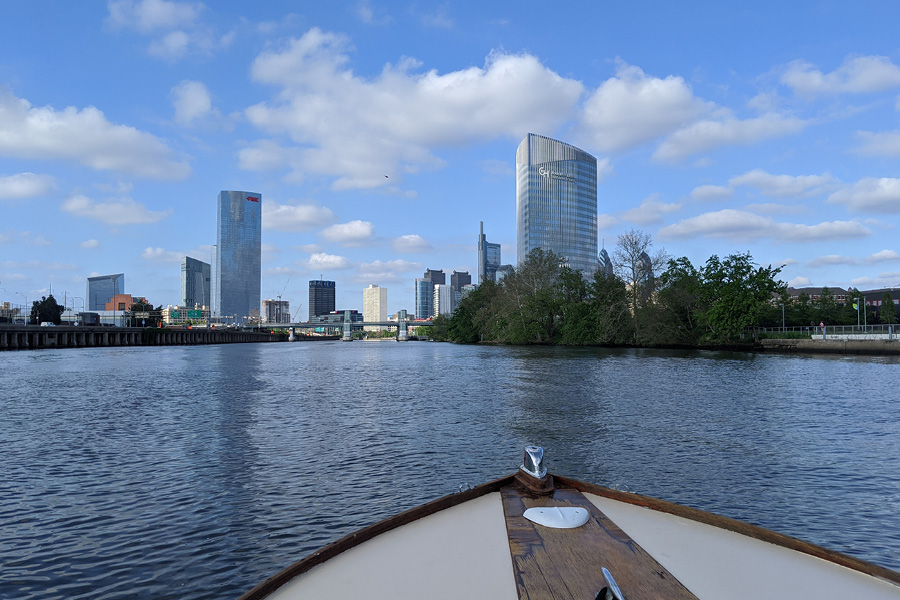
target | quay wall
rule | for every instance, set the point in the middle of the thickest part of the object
(19, 337)
(846, 345)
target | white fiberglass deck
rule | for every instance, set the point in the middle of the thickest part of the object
(464, 552)
(460, 552)
(718, 564)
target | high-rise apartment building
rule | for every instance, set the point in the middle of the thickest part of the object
(488, 257)
(436, 276)
(102, 289)
(196, 280)
(276, 311)
(556, 201)
(374, 305)
(236, 281)
(445, 300)
(424, 298)
(321, 298)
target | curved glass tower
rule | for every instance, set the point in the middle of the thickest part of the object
(238, 255)
(556, 201)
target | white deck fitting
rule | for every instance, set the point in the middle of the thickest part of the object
(715, 564)
(460, 552)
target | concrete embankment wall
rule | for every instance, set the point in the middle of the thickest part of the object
(33, 338)
(833, 346)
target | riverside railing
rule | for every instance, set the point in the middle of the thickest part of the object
(861, 332)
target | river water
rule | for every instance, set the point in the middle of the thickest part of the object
(196, 472)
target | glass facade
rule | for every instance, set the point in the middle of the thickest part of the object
(238, 255)
(488, 257)
(196, 284)
(556, 201)
(321, 298)
(424, 298)
(102, 288)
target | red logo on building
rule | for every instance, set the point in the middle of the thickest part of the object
(253, 199)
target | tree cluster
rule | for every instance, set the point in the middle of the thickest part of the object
(545, 302)
(46, 310)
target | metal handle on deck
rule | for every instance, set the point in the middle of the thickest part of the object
(611, 591)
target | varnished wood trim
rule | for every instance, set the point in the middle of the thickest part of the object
(354, 539)
(752, 531)
(565, 564)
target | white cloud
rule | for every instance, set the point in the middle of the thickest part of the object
(606, 221)
(883, 256)
(632, 108)
(728, 131)
(326, 262)
(91, 243)
(410, 244)
(394, 271)
(799, 282)
(161, 255)
(147, 16)
(359, 130)
(709, 193)
(301, 217)
(119, 212)
(781, 186)
(264, 155)
(862, 74)
(650, 211)
(352, 233)
(192, 102)
(743, 225)
(25, 185)
(831, 260)
(881, 195)
(886, 143)
(84, 136)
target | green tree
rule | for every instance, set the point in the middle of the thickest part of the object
(46, 310)
(825, 308)
(610, 313)
(888, 312)
(471, 321)
(576, 319)
(527, 309)
(679, 303)
(735, 291)
(155, 313)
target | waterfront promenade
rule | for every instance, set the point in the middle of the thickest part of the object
(32, 337)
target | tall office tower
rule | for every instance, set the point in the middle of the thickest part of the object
(102, 288)
(605, 266)
(444, 300)
(238, 255)
(276, 311)
(424, 298)
(458, 279)
(374, 305)
(321, 297)
(488, 257)
(556, 201)
(195, 282)
(436, 277)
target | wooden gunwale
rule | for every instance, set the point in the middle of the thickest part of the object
(274, 582)
(729, 524)
(363, 535)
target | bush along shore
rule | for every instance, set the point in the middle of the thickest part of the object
(718, 305)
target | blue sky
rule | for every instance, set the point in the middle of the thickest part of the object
(381, 133)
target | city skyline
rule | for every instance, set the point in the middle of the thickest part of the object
(382, 133)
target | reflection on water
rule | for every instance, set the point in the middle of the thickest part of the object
(195, 472)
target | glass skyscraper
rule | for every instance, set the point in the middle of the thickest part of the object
(236, 285)
(196, 282)
(488, 257)
(102, 288)
(556, 201)
(321, 297)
